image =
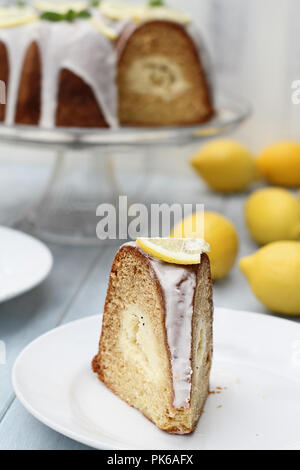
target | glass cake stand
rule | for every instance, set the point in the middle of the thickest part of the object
(83, 174)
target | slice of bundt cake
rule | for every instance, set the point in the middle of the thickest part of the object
(156, 342)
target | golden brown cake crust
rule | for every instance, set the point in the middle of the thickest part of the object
(29, 97)
(76, 103)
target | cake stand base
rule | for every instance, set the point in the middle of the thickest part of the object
(80, 181)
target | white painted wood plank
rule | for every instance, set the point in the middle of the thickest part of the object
(19, 169)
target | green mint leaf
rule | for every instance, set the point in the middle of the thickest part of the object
(95, 3)
(156, 3)
(83, 14)
(69, 16)
(51, 16)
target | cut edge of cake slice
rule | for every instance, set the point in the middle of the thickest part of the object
(155, 347)
(162, 79)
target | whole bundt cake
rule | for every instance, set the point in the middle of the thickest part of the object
(81, 64)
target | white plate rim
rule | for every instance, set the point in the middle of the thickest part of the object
(97, 444)
(48, 422)
(48, 254)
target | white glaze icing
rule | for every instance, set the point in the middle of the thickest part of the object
(63, 45)
(178, 284)
(70, 45)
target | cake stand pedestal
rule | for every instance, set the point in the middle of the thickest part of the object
(66, 212)
(83, 174)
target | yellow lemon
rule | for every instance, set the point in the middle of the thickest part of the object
(225, 165)
(273, 214)
(280, 163)
(274, 276)
(219, 233)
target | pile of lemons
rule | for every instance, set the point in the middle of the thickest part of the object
(227, 166)
(272, 215)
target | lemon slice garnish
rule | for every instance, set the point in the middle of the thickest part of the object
(63, 7)
(11, 16)
(175, 250)
(163, 13)
(119, 11)
(104, 29)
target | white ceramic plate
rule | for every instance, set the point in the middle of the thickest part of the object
(256, 363)
(24, 263)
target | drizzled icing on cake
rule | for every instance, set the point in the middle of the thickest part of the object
(178, 284)
(63, 45)
(79, 47)
(70, 46)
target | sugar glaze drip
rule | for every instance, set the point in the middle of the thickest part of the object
(62, 45)
(178, 284)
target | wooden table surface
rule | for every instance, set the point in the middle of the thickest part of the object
(76, 288)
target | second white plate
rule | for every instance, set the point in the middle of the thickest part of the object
(255, 377)
(24, 263)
